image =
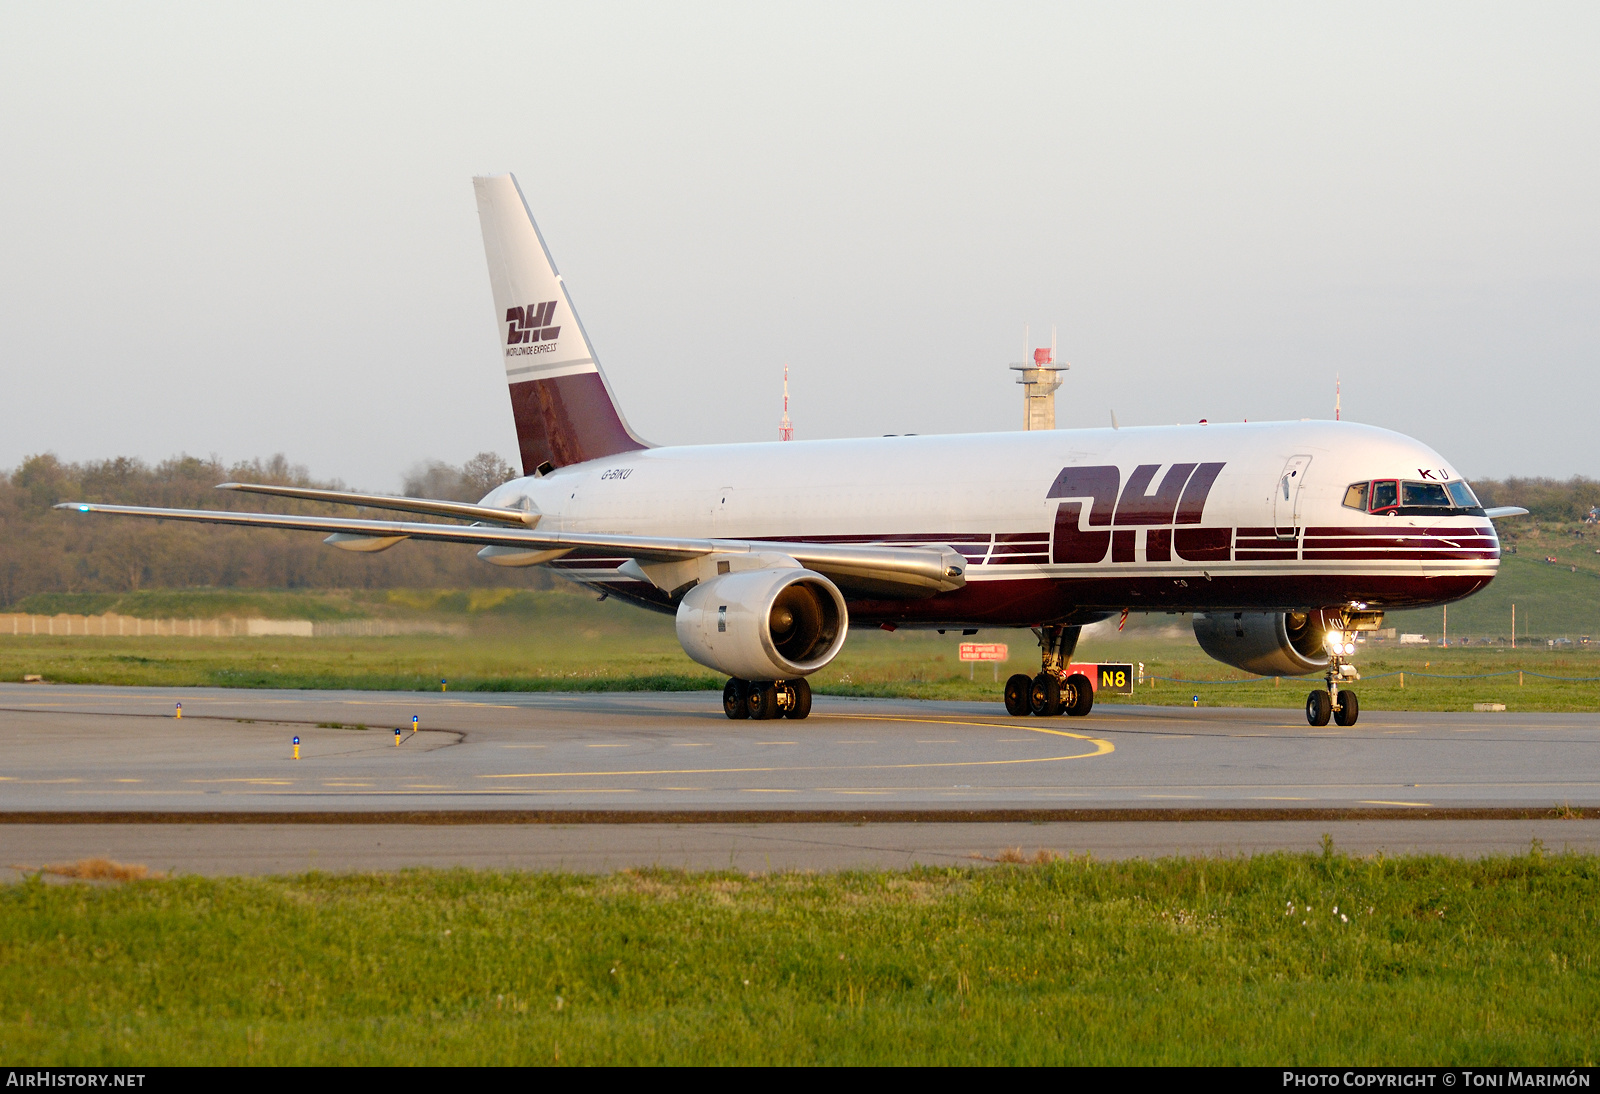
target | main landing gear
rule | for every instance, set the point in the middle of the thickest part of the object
(1342, 705)
(766, 698)
(1054, 691)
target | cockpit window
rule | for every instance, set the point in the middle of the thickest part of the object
(1396, 497)
(1424, 493)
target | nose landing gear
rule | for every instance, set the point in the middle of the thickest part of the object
(1341, 705)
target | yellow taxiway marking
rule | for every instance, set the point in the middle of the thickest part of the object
(762, 770)
(1101, 748)
(127, 780)
(1414, 805)
(1105, 746)
(264, 782)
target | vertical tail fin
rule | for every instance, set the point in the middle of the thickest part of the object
(563, 407)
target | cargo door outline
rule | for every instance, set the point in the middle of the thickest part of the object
(1286, 497)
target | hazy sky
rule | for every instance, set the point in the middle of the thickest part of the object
(242, 230)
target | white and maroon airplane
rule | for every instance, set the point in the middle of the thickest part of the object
(1282, 538)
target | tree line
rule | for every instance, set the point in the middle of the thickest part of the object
(46, 551)
(43, 550)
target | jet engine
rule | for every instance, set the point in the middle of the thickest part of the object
(774, 624)
(1266, 643)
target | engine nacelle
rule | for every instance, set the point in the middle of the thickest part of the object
(1266, 643)
(773, 624)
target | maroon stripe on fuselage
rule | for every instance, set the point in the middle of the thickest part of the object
(1030, 601)
(1397, 556)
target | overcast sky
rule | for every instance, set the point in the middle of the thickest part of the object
(244, 230)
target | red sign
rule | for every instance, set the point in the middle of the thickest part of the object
(984, 651)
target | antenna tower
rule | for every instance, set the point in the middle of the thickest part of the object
(1040, 378)
(785, 426)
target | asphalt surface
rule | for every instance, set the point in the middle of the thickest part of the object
(241, 849)
(78, 749)
(595, 782)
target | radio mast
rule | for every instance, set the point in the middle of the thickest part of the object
(785, 426)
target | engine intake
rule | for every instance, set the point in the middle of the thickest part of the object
(1265, 643)
(773, 624)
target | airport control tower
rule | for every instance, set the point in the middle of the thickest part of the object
(1039, 382)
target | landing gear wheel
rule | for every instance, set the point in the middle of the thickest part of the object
(762, 702)
(734, 695)
(1318, 707)
(1081, 695)
(1044, 698)
(1018, 691)
(800, 699)
(1349, 709)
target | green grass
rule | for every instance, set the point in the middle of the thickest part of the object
(1552, 600)
(1201, 961)
(521, 640)
(642, 654)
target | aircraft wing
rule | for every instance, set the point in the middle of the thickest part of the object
(870, 569)
(462, 510)
(1500, 511)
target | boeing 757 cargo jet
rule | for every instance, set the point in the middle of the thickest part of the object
(1283, 538)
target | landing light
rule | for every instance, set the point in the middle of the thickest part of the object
(83, 508)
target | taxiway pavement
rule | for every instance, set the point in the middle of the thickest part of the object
(242, 849)
(68, 749)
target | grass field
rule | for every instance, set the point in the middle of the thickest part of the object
(521, 640)
(1272, 960)
(628, 650)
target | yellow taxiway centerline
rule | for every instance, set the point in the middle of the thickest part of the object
(1102, 748)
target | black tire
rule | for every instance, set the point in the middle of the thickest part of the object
(1018, 690)
(1081, 694)
(734, 694)
(1044, 698)
(762, 702)
(1318, 707)
(801, 706)
(1349, 709)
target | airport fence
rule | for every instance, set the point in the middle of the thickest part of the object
(112, 625)
(1150, 680)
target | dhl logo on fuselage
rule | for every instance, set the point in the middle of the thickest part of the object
(1116, 513)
